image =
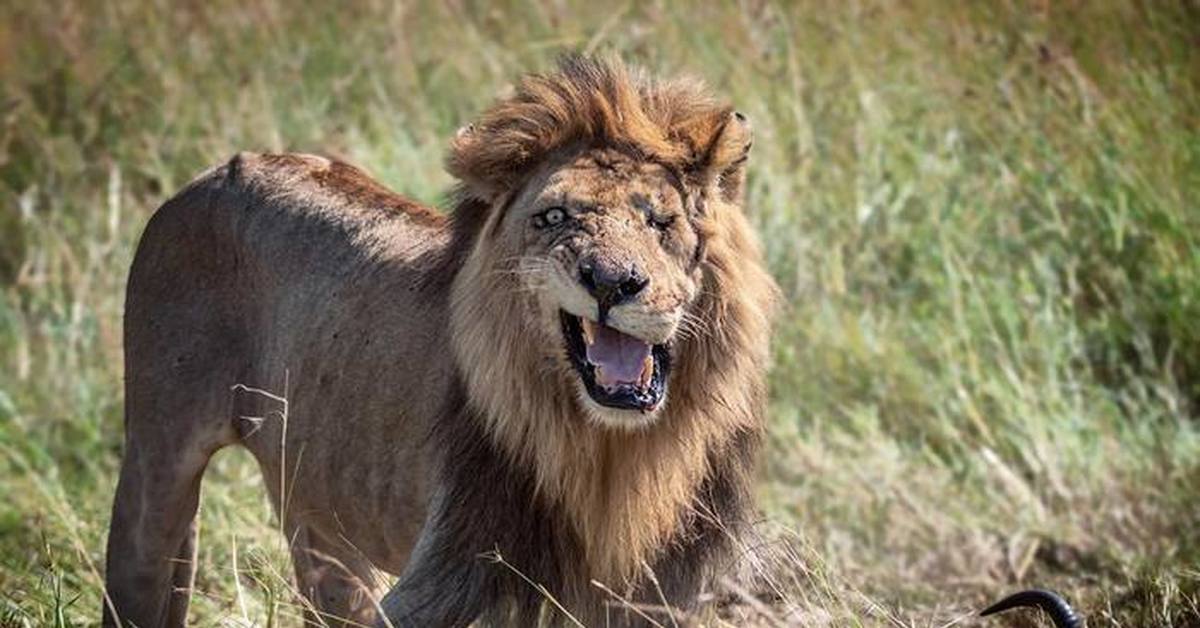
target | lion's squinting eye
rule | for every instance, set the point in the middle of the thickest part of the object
(549, 217)
(662, 223)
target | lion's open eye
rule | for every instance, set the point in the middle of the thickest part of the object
(549, 218)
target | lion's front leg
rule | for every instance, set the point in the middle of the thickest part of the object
(440, 587)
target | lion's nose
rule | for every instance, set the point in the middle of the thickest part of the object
(611, 284)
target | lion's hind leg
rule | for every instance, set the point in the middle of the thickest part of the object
(184, 347)
(172, 429)
(152, 541)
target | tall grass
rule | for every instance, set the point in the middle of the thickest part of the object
(984, 217)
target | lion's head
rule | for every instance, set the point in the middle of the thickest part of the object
(610, 309)
(602, 245)
(600, 184)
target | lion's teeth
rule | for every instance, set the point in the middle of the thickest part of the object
(589, 331)
(647, 371)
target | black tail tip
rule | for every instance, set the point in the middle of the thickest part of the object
(1049, 602)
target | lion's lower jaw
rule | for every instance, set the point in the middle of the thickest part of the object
(618, 419)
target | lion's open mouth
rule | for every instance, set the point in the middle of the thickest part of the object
(618, 370)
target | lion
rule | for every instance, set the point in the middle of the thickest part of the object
(543, 407)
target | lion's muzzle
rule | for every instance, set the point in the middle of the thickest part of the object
(611, 284)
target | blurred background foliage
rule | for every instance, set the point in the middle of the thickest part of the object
(984, 217)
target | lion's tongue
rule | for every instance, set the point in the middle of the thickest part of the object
(619, 358)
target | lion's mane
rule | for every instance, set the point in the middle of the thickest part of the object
(670, 496)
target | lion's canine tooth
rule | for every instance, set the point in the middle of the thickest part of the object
(647, 371)
(589, 331)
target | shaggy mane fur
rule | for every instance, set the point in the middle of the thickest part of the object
(596, 104)
(632, 499)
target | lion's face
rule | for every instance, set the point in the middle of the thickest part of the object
(603, 249)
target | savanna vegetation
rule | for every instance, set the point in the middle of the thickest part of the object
(984, 218)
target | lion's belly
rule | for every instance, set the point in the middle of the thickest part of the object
(373, 503)
(351, 471)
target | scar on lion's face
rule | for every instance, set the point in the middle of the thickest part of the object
(604, 248)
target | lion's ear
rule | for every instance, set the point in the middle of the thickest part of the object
(723, 159)
(478, 164)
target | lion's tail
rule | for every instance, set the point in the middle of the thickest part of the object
(1049, 602)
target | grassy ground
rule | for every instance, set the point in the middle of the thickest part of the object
(984, 216)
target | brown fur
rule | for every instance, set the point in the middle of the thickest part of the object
(412, 342)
